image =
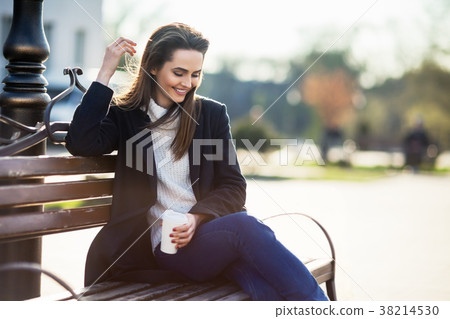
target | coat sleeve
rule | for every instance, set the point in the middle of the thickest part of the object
(229, 192)
(93, 130)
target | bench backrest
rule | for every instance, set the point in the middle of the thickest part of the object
(42, 195)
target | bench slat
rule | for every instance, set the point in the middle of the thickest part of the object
(134, 292)
(216, 293)
(117, 292)
(34, 194)
(237, 296)
(63, 296)
(101, 287)
(97, 288)
(152, 292)
(40, 166)
(21, 225)
(187, 292)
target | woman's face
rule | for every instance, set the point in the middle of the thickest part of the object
(177, 77)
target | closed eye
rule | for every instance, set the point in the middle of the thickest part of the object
(181, 71)
(195, 75)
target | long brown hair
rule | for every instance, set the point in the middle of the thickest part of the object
(159, 49)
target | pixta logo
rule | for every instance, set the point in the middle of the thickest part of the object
(142, 147)
(140, 150)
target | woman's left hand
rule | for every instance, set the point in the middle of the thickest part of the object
(183, 234)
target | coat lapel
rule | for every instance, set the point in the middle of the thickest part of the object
(194, 170)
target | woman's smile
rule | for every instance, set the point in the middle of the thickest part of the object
(181, 91)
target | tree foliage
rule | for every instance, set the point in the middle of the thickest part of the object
(244, 129)
(330, 87)
(393, 106)
(331, 93)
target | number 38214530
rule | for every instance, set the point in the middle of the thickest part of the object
(408, 310)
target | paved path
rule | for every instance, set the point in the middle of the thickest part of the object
(391, 235)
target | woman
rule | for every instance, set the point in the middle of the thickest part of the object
(158, 126)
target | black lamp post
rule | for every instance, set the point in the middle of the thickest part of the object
(24, 99)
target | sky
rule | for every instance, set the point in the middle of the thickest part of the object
(386, 37)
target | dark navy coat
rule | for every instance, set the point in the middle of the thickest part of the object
(122, 248)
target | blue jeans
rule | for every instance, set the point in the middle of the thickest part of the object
(246, 251)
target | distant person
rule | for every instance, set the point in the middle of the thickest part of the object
(331, 138)
(415, 145)
(219, 237)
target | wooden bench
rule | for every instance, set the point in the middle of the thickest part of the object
(85, 185)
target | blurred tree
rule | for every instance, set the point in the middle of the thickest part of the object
(331, 92)
(393, 106)
(331, 87)
(255, 134)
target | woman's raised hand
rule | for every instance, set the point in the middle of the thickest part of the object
(113, 53)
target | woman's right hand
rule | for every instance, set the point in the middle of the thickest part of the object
(113, 53)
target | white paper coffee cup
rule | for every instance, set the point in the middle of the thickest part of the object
(171, 219)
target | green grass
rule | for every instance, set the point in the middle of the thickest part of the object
(337, 172)
(355, 174)
(329, 172)
(267, 177)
